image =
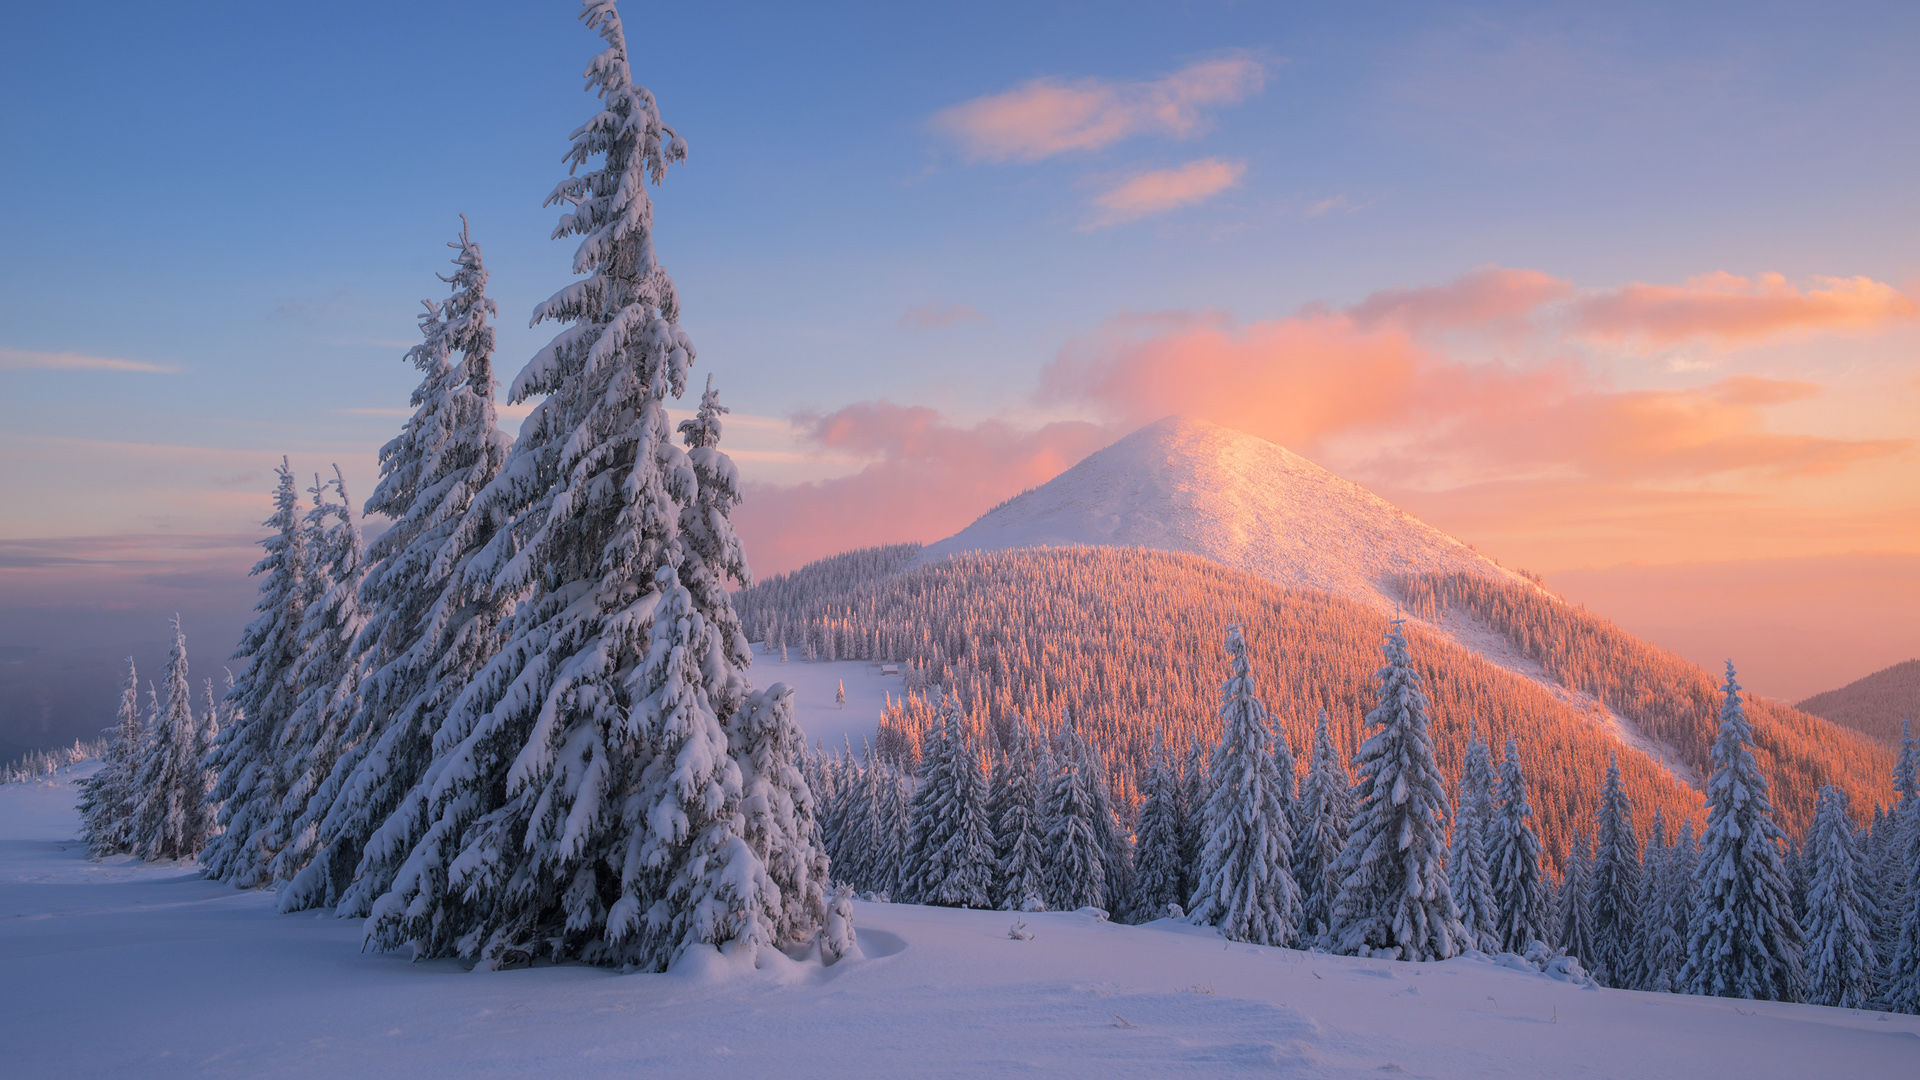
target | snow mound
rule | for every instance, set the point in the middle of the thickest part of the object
(1188, 485)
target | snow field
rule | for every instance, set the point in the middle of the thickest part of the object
(813, 683)
(118, 968)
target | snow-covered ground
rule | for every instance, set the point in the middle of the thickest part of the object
(814, 683)
(118, 969)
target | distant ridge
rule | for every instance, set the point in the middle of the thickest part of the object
(1185, 484)
(1873, 705)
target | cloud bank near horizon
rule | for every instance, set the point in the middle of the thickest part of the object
(1494, 385)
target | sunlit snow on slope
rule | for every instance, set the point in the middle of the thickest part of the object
(120, 969)
(1184, 484)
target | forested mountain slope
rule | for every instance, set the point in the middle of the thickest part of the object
(1875, 704)
(1126, 640)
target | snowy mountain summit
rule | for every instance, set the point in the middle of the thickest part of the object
(1189, 485)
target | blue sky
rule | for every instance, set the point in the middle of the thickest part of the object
(256, 197)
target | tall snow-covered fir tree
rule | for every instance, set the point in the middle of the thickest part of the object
(1900, 974)
(1662, 950)
(1076, 866)
(1899, 879)
(1393, 880)
(1157, 868)
(1841, 960)
(1193, 803)
(107, 797)
(1744, 942)
(1613, 891)
(951, 857)
(1573, 913)
(171, 818)
(322, 725)
(780, 831)
(1469, 873)
(429, 628)
(1520, 889)
(1321, 816)
(1019, 826)
(1246, 869)
(250, 778)
(584, 801)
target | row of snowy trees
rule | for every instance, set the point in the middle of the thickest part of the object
(150, 795)
(519, 724)
(1376, 863)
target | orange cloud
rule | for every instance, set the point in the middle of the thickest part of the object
(1045, 117)
(1160, 190)
(928, 477)
(1373, 392)
(1568, 461)
(1731, 310)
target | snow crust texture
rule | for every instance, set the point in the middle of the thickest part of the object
(1187, 484)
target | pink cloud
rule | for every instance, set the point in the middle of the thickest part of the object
(928, 477)
(935, 316)
(19, 359)
(1160, 190)
(1731, 310)
(1369, 390)
(1045, 117)
(1486, 297)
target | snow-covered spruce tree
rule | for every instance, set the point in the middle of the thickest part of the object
(583, 798)
(1157, 868)
(897, 794)
(1887, 862)
(1520, 889)
(322, 726)
(1393, 882)
(1683, 861)
(1896, 872)
(779, 829)
(1116, 848)
(1613, 890)
(1900, 977)
(1469, 874)
(107, 797)
(1573, 915)
(1321, 816)
(865, 831)
(1019, 827)
(952, 853)
(1246, 870)
(1076, 872)
(928, 826)
(1662, 952)
(1744, 942)
(1193, 804)
(250, 780)
(170, 816)
(429, 628)
(1841, 961)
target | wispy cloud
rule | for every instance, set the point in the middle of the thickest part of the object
(1045, 117)
(18, 359)
(1728, 309)
(934, 316)
(1161, 190)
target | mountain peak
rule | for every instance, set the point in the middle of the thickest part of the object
(1183, 483)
